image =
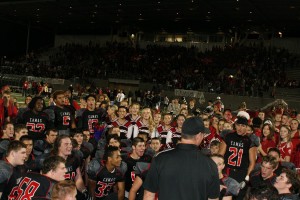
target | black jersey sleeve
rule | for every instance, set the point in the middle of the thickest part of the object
(255, 141)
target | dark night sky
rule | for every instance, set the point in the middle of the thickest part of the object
(13, 38)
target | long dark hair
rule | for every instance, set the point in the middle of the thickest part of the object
(33, 102)
(271, 135)
(57, 144)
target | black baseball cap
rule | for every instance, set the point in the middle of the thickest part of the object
(193, 126)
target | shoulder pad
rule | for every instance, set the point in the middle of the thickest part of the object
(123, 167)
(21, 112)
(4, 145)
(92, 168)
(150, 152)
(6, 171)
(48, 151)
(101, 144)
(126, 149)
(78, 154)
(255, 140)
(99, 154)
(79, 112)
(89, 146)
(232, 186)
(146, 158)
(40, 160)
(102, 113)
(224, 133)
(38, 144)
(127, 142)
(141, 167)
(50, 113)
(38, 148)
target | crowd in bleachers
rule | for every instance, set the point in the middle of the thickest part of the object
(108, 143)
(240, 70)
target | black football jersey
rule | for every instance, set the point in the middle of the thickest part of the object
(140, 193)
(131, 169)
(87, 119)
(105, 182)
(14, 174)
(32, 186)
(41, 147)
(36, 123)
(63, 118)
(73, 162)
(237, 151)
(31, 164)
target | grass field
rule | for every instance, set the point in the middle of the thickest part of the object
(21, 99)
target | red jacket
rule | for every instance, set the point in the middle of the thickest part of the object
(12, 111)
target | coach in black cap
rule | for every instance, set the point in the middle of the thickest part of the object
(184, 173)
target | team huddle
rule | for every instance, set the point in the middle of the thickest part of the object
(64, 151)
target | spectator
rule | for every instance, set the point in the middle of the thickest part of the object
(267, 140)
(8, 112)
(285, 145)
(287, 185)
(266, 175)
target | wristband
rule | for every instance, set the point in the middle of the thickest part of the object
(247, 178)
